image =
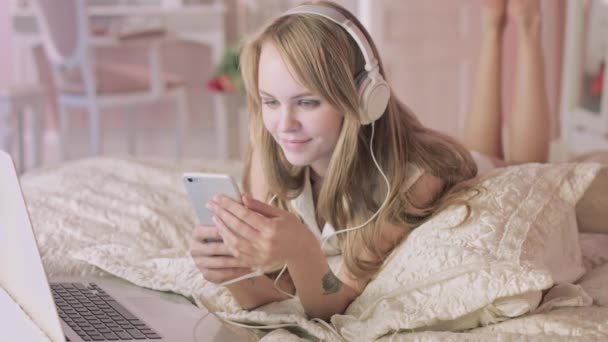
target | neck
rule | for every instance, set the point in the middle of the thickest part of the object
(315, 177)
(315, 182)
(319, 168)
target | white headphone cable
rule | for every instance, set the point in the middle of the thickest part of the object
(260, 272)
(388, 192)
(326, 238)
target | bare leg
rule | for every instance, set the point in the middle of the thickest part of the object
(482, 130)
(529, 126)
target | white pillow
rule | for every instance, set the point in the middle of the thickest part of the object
(521, 239)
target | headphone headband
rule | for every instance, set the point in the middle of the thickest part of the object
(346, 24)
(374, 91)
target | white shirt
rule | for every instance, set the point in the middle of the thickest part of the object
(305, 207)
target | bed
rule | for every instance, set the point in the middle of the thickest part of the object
(520, 271)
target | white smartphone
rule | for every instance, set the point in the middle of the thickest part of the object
(202, 187)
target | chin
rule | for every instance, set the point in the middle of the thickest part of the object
(298, 159)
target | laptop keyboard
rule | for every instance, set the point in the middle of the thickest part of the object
(95, 316)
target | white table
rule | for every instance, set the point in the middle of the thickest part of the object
(203, 24)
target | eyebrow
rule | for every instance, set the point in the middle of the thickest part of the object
(293, 97)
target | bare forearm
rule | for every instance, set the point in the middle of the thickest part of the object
(255, 292)
(321, 292)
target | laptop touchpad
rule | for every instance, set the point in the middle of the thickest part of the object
(162, 308)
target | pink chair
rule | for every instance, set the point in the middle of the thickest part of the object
(82, 83)
(14, 102)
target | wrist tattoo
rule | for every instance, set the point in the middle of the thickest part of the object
(331, 283)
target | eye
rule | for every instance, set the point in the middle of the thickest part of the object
(270, 103)
(309, 104)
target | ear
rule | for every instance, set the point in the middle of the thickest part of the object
(360, 77)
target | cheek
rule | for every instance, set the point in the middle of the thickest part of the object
(269, 122)
(333, 128)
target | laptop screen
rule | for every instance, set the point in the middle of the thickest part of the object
(22, 275)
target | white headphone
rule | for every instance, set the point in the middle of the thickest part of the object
(374, 91)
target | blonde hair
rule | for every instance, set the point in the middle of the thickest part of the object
(325, 59)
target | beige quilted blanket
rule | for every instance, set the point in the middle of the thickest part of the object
(132, 219)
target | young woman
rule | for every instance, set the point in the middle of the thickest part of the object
(320, 165)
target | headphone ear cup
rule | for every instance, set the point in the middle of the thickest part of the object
(374, 94)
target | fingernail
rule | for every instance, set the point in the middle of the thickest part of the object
(208, 205)
(216, 198)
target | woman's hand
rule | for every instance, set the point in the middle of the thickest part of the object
(264, 234)
(213, 257)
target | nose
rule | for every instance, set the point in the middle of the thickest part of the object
(288, 119)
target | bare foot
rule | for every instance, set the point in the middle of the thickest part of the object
(494, 13)
(525, 13)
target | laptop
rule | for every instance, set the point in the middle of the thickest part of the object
(81, 309)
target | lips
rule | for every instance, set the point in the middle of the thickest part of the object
(294, 144)
(295, 141)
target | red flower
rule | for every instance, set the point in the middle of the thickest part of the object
(598, 82)
(221, 83)
(214, 84)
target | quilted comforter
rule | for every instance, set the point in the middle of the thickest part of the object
(131, 219)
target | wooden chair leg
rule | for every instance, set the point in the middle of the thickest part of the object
(64, 126)
(94, 130)
(37, 117)
(181, 123)
(221, 125)
(131, 132)
(6, 136)
(19, 113)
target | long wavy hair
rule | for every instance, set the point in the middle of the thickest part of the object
(325, 59)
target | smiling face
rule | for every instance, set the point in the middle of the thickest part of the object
(305, 125)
